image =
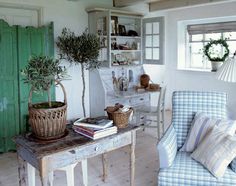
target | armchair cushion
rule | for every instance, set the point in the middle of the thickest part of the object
(185, 171)
(201, 125)
(216, 151)
(167, 148)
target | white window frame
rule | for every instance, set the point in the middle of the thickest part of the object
(159, 20)
(183, 41)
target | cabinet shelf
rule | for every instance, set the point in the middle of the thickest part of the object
(115, 34)
(119, 51)
(126, 37)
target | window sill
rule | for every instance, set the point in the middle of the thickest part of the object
(195, 70)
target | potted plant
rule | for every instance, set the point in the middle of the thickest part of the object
(47, 119)
(81, 50)
(216, 51)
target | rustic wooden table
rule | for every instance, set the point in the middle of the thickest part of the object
(74, 148)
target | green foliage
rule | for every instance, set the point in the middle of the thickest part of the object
(213, 50)
(42, 71)
(82, 49)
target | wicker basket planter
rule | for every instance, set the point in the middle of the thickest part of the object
(120, 119)
(50, 123)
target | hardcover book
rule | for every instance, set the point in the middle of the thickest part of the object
(95, 134)
(95, 123)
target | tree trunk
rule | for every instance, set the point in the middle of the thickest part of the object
(83, 93)
(49, 98)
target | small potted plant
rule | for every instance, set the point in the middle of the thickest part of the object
(216, 51)
(47, 119)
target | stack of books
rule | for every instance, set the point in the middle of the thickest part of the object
(94, 128)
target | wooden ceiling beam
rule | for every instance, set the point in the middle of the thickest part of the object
(124, 3)
(170, 4)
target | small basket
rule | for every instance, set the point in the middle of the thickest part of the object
(120, 119)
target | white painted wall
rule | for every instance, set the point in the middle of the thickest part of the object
(72, 15)
(189, 80)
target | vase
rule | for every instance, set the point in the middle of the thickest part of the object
(215, 65)
(144, 80)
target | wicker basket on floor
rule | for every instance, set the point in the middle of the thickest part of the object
(120, 119)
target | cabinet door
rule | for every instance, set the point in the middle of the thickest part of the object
(99, 23)
(153, 40)
(9, 109)
(32, 41)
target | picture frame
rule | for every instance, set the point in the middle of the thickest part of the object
(114, 25)
(122, 30)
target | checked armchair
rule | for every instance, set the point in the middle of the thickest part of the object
(178, 168)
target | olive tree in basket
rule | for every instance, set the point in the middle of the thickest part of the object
(47, 119)
(81, 50)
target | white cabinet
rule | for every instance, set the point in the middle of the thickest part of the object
(121, 40)
(120, 36)
(102, 93)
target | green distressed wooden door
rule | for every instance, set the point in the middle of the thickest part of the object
(32, 41)
(9, 107)
(17, 44)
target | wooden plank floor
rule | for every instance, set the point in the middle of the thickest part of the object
(118, 172)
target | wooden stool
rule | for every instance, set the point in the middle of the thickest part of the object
(69, 174)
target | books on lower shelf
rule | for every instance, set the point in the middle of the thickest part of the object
(95, 134)
(96, 123)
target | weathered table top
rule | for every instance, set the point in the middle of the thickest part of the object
(73, 139)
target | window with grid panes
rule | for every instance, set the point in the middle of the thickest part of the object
(153, 34)
(199, 35)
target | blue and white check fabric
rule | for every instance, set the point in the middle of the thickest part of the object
(167, 148)
(185, 171)
(233, 165)
(185, 104)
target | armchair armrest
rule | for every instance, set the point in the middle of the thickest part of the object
(233, 165)
(167, 148)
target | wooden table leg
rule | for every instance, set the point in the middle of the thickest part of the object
(30, 174)
(46, 176)
(46, 180)
(85, 172)
(132, 158)
(104, 165)
(22, 171)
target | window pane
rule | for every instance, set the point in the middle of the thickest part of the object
(148, 28)
(232, 46)
(156, 28)
(196, 61)
(156, 41)
(208, 64)
(230, 35)
(212, 36)
(156, 54)
(197, 48)
(148, 53)
(197, 37)
(148, 42)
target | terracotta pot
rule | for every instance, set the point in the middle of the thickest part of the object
(144, 80)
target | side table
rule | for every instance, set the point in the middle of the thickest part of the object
(74, 148)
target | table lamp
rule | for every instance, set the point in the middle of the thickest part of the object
(227, 72)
